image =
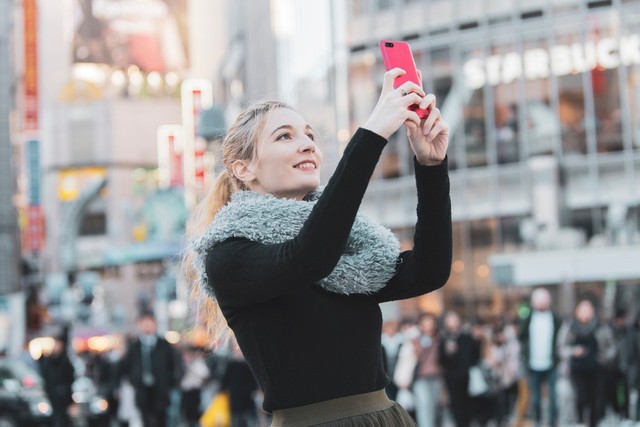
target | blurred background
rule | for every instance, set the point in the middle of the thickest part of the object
(111, 114)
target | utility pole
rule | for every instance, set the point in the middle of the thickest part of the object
(10, 296)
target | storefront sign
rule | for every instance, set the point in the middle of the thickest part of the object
(170, 156)
(560, 60)
(197, 95)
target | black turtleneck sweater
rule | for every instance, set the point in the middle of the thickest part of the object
(304, 344)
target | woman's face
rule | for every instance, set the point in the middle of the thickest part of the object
(585, 312)
(288, 160)
(452, 322)
(428, 325)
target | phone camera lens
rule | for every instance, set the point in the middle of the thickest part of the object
(388, 44)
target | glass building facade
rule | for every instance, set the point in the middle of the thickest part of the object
(543, 102)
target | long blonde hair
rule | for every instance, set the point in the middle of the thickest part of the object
(240, 143)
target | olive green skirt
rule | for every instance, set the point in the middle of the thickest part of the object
(362, 410)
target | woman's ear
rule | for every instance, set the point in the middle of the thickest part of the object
(243, 171)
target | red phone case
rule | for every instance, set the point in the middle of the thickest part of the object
(397, 54)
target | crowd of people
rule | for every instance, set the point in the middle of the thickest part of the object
(445, 371)
(151, 382)
(539, 367)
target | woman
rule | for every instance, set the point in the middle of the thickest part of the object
(589, 346)
(298, 275)
(419, 369)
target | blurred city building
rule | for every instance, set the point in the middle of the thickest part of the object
(543, 101)
(117, 138)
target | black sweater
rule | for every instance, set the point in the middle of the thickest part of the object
(304, 344)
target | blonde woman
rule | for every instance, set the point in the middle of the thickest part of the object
(297, 273)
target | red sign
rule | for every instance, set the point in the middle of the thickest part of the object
(200, 146)
(30, 65)
(33, 237)
(176, 153)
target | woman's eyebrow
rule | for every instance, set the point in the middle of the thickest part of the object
(281, 127)
(307, 127)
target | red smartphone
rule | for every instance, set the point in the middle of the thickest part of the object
(397, 54)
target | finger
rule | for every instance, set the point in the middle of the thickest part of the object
(411, 99)
(411, 128)
(411, 87)
(389, 77)
(413, 117)
(432, 119)
(436, 131)
(428, 101)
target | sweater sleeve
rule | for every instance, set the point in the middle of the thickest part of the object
(243, 272)
(427, 266)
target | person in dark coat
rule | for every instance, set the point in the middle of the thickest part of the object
(239, 382)
(457, 353)
(58, 375)
(150, 366)
(590, 347)
(634, 367)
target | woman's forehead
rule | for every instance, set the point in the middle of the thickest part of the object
(284, 117)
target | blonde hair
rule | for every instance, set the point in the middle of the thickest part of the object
(240, 143)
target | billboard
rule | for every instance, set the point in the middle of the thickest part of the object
(149, 34)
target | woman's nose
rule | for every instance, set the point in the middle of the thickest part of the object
(308, 145)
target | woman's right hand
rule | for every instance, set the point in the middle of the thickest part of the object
(392, 111)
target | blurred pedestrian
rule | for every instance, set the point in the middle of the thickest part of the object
(299, 275)
(239, 382)
(150, 366)
(392, 339)
(589, 345)
(196, 372)
(616, 387)
(484, 406)
(458, 351)
(107, 377)
(427, 378)
(58, 375)
(127, 413)
(508, 371)
(634, 368)
(538, 334)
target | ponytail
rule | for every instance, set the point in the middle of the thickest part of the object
(205, 307)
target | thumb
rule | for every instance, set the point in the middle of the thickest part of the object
(389, 78)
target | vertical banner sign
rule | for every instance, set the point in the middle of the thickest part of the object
(197, 95)
(34, 238)
(170, 156)
(33, 232)
(30, 65)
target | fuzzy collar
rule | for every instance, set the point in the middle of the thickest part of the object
(366, 265)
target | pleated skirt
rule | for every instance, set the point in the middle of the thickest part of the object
(363, 410)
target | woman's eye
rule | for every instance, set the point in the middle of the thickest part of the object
(284, 136)
(311, 136)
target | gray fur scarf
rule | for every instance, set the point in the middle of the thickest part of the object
(366, 265)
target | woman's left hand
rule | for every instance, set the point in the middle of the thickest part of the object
(430, 140)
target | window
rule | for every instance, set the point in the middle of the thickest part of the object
(606, 87)
(81, 140)
(571, 96)
(439, 81)
(94, 220)
(633, 85)
(474, 118)
(505, 98)
(538, 122)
